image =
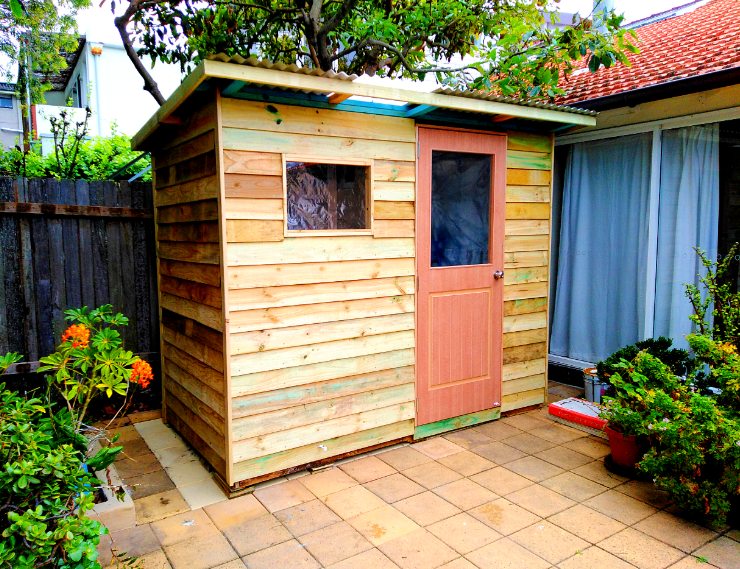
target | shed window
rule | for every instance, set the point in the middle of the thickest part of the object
(327, 196)
(6, 102)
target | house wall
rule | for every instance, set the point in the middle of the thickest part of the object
(190, 273)
(321, 328)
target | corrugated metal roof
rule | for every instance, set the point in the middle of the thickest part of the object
(480, 95)
(483, 96)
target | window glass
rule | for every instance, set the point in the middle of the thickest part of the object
(327, 196)
(6, 102)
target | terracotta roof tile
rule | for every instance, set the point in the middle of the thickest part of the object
(696, 43)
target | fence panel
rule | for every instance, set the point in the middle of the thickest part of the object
(65, 244)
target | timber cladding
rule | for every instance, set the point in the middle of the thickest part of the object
(282, 349)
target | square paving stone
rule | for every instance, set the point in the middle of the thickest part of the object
(154, 560)
(594, 447)
(506, 554)
(549, 541)
(159, 506)
(459, 563)
(574, 486)
(464, 533)
(645, 492)
(586, 523)
(394, 488)
(335, 543)
(371, 559)
(466, 463)
(255, 534)
(677, 532)
(564, 457)
(468, 438)
(597, 472)
(722, 552)
(283, 495)
(307, 517)
(504, 516)
(403, 458)
(526, 421)
(418, 550)
(353, 502)
(534, 468)
(540, 501)
(465, 494)
(135, 541)
(529, 443)
(200, 552)
(235, 511)
(501, 480)
(497, 431)
(498, 452)
(431, 475)
(382, 525)
(690, 562)
(130, 466)
(620, 507)
(327, 482)
(426, 508)
(437, 447)
(149, 484)
(558, 433)
(289, 554)
(594, 558)
(641, 550)
(185, 526)
(367, 469)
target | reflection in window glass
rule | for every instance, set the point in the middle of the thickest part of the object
(326, 196)
(461, 208)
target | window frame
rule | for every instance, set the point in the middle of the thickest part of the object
(369, 186)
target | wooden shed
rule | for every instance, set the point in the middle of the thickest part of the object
(331, 258)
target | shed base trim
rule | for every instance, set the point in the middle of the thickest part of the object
(431, 429)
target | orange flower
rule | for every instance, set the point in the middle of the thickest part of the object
(141, 373)
(79, 334)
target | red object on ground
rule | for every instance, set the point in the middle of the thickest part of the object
(625, 450)
(579, 412)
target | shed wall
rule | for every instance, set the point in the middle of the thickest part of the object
(315, 321)
(186, 204)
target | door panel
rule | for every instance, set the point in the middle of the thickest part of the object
(460, 231)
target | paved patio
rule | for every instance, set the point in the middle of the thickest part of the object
(522, 492)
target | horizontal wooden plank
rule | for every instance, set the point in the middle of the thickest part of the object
(527, 290)
(523, 399)
(333, 447)
(202, 335)
(207, 253)
(517, 259)
(515, 243)
(253, 186)
(264, 340)
(522, 177)
(201, 166)
(246, 208)
(197, 190)
(394, 191)
(529, 210)
(187, 213)
(525, 306)
(254, 230)
(257, 163)
(524, 369)
(200, 273)
(394, 228)
(197, 292)
(319, 432)
(314, 122)
(270, 381)
(394, 171)
(189, 432)
(212, 418)
(200, 232)
(525, 160)
(293, 295)
(527, 275)
(527, 193)
(330, 147)
(514, 354)
(211, 317)
(325, 352)
(203, 374)
(527, 141)
(202, 352)
(285, 316)
(188, 149)
(527, 227)
(286, 419)
(207, 434)
(393, 210)
(520, 322)
(318, 250)
(525, 337)
(523, 384)
(331, 271)
(66, 210)
(292, 397)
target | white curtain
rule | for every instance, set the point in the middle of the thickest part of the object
(688, 218)
(599, 302)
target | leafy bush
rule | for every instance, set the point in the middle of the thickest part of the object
(678, 360)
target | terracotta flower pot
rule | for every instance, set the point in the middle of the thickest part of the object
(626, 452)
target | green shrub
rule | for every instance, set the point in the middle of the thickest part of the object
(676, 359)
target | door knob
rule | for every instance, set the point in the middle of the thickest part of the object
(498, 275)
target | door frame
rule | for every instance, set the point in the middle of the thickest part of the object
(496, 249)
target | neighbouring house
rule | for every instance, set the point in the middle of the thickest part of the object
(100, 76)
(11, 127)
(331, 257)
(658, 175)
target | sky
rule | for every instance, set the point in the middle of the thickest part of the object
(97, 22)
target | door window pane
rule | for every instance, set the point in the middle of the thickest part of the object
(461, 207)
(327, 196)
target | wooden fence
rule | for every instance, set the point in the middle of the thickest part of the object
(67, 244)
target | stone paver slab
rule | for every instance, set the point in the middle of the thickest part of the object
(255, 534)
(641, 550)
(418, 549)
(676, 531)
(498, 430)
(564, 457)
(540, 501)
(235, 511)
(722, 552)
(367, 469)
(403, 458)
(504, 516)
(549, 541)
(506, 554)
(394, 488)
(382, 525)
(594, 558)
(620, 507)
(529, 443)
(534, 468)
(289, 554)
(464, 533)
(466, 463)
(558, 433)
(200, 552)
(465, 494)
(353, 501)
(185, 526)
(574, 486)
(527, 421)
(645, 492)
(597, 472)
(426, 508)
(135, 541)
(594, 447)
(335, 543)
(468, 438)
(437, 447)
(498, 452)
(327, 482)
(154, 560)
(586, 523)
(431, 475)
(307, 517)
(501, 480)
(371, 559)
(283, 495)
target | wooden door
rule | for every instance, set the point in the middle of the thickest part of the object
(460, 250)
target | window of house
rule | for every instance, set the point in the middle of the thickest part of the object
(324, 196)
(6, 102)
